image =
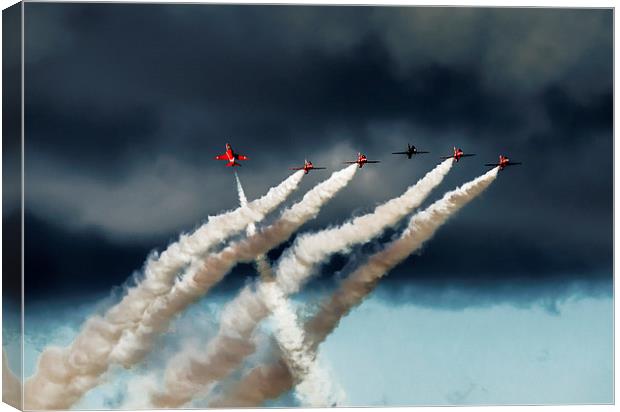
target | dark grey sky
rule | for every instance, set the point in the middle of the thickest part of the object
(126, 105)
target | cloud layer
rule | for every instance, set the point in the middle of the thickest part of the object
(122, 124)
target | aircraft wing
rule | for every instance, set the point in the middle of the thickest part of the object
(350, 163)
(400, 152)
(295, 168)
(446, 157)
(242, 157)
(492, 164)
(221, 157)
(419, 152)
(373, 161)
(468, 155)
(319, 168)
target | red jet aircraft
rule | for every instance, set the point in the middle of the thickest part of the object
(458, 153)
(307, 167)
(503, 162)
(231, 156)
(361, 160)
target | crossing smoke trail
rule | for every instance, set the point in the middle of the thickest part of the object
(270, 381)
(65, 374)
(190, 374)
(314, 387)
(362, 281)
(242, 309)
(200, 277)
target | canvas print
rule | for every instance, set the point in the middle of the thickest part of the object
(298, 206)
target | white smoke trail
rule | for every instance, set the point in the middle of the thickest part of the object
(421, 228)
(199, 278)
(191, 373)
(244, 308)
(243, 201)
(65, 374)
(352, 291)
(298, 262)
(187, 376)
(314, 388)
(262, 265)
(261, 383)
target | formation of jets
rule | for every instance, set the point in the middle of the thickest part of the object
(231, 157)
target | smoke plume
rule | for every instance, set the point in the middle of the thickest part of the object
(65, 374)
(352, 291)
(362, 281)
(314, 387)
(188, 376)
(244, 309)
(200, 279)
(202, 276)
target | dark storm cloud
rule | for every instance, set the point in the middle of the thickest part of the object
(126, 105)
(110, 136)
(85, 260)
